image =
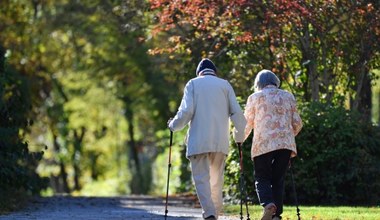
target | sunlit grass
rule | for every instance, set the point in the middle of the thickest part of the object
(313, 212)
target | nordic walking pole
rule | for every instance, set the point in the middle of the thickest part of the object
(242, 185)
(294, 190)
(169, 166)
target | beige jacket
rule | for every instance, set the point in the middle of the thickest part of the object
(207, 106)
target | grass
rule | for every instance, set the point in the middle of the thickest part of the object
(312, 212)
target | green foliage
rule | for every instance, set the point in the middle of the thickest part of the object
(180, 180)
(376, 97)
(315, 47)
(232, 173)
(17, 163)
(338, 158)
(100, 101)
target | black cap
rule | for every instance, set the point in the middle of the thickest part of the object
(205, 64)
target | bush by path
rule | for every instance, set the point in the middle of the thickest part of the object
(338, 160)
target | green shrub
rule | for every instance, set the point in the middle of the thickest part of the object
(17, 165)
(338, 160)
(232, 173)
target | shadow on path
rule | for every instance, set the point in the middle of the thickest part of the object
(126, 207)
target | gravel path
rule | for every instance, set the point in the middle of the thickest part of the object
(128, 207)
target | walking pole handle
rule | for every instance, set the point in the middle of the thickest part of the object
(171, 138)
(240, 156)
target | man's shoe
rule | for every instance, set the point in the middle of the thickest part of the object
(269, 211)
(211, 217)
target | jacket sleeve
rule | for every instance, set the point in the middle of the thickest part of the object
(236, 116)
(249, 114)
(186, 109)
(296, 118)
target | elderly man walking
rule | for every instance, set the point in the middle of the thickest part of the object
(208, 104)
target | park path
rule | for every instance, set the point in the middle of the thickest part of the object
(93, 208)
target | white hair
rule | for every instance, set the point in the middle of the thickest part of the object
(265, 78)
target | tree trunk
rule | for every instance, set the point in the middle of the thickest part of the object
(93, 156)
(2, 60)
(62, 183)
(76, 157)
(312, 86)
(134, 162)
(132, 142)
(363, 98)
(313, 79)
(378, 109)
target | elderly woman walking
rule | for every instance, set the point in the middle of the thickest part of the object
(272, 114)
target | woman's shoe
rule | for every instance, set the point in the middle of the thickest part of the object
(269, 211)
(211, 217)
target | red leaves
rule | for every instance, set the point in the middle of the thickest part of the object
(200, 14)
(214, 21)
(244, 21)
(246, 37)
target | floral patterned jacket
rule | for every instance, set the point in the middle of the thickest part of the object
(273, 116)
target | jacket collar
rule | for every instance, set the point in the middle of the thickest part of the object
(207, 72)
(270, 87)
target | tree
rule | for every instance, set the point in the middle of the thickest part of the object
(18, 177)
(86, 63)
(323, 51)
(314, 38)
